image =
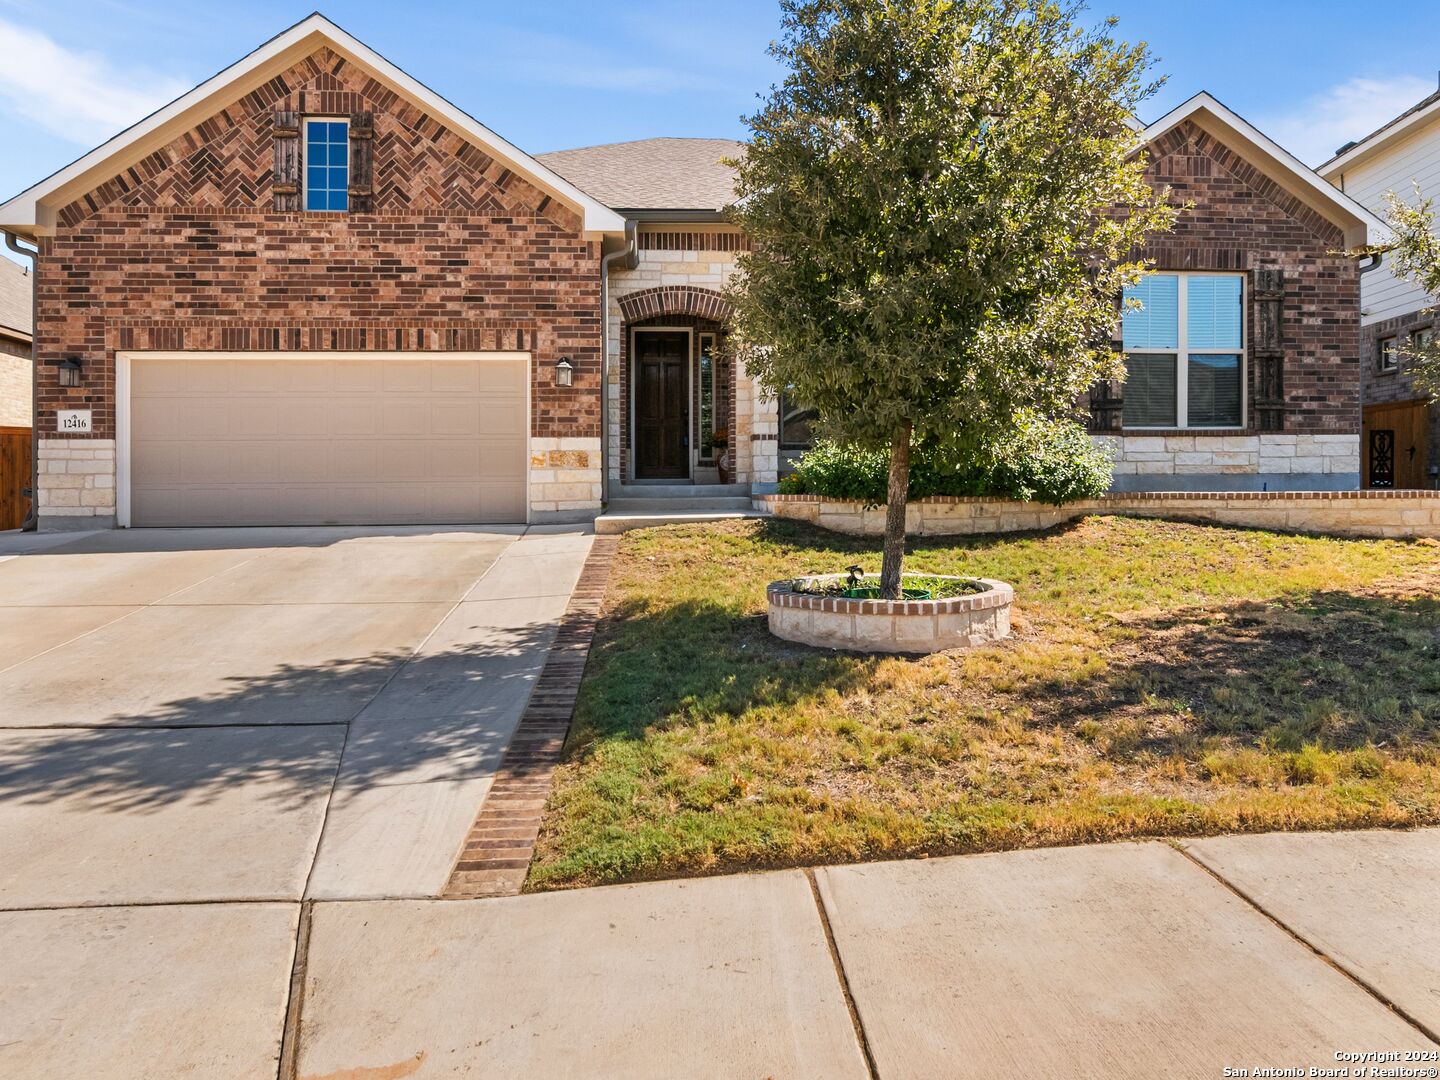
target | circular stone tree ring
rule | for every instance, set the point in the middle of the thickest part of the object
(889, 626)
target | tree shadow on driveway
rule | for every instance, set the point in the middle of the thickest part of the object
(437, 716)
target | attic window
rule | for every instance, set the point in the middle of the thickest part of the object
(327, 165)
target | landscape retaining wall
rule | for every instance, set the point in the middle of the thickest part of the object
(1393, 514)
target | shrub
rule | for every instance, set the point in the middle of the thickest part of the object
(1057, 465)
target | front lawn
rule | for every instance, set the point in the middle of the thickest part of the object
(1163, 679)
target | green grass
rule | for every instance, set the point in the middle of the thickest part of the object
(1163, 679)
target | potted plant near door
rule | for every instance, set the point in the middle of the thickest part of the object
(720, 440)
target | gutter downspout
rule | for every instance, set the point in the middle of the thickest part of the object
(32, 518)
(627, 258)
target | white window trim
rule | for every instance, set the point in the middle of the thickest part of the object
(305, 163)
(1183, 352)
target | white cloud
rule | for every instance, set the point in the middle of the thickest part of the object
(79, 96)
(1317, 126)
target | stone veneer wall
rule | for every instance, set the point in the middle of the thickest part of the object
(564, 479)
(703, 257)
(1394, 514)
(1276, 461)
(77, 484)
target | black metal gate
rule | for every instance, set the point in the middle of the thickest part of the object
(1382, 458)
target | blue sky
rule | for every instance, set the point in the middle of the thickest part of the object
(549, 74)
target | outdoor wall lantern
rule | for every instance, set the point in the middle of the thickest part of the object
(564, 372)
(70, 371)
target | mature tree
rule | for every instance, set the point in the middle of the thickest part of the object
(944, 198)
(1415, 250)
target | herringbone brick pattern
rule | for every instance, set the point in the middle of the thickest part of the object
(228, 160)
(497, 850)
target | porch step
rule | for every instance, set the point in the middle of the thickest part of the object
(628, 504)
(660, 489)
(610, 522)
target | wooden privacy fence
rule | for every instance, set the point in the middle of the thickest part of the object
(14, 475)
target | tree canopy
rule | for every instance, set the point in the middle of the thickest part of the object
(944, 199)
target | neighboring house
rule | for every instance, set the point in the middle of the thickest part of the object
(15, 388)
(1401, 445)
(313, 291)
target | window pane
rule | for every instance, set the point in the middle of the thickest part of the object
(315, 199)
(1387, 360)
(1157, 324)
(1212, 319)
(795, 420)
(339, 154)
(315, 177)
(707, 396)
(337, 178)
(337, 131)
(1150, 390)
(339, 200)
(1214, 387)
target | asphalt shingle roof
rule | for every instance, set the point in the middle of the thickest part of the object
(652, 174)
(15, 290)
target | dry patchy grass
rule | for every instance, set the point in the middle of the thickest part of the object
(1163, 679)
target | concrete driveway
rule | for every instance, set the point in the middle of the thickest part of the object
(231, 721)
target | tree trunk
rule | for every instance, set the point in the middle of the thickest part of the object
(896, 495)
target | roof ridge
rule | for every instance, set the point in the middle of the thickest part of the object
(636, 142)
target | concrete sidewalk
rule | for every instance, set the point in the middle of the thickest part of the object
(1128, 960)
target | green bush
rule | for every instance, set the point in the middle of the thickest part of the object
(1057, 465)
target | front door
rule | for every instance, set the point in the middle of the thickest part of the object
(661, 417)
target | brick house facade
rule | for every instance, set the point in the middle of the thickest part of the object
(184, 256)
(1301, 403)
(184, 251)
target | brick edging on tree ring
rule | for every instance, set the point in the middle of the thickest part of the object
(495, 856)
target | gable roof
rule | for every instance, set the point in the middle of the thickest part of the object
(653, 174)
(32, 211)
(1419, 114)
(1359, 224)
(16, 289)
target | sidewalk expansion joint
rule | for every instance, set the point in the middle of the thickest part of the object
(1295, 935)
(495, 855)
(840, 975)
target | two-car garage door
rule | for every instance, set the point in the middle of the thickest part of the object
(316, 439)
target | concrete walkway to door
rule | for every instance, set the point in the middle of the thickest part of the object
(202, 728)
